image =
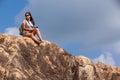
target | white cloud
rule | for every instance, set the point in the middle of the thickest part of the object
(12, 31)
(106, 58)
(110, 54)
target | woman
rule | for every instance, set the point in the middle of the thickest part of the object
(29, 30)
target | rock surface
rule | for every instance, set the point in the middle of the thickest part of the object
(22, 59)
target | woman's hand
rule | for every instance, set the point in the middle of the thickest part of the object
(31, 29)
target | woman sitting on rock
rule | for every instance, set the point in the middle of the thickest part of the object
(28, 29)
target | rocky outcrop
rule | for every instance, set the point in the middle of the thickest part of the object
(22, 59)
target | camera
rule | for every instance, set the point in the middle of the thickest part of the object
(35, 26)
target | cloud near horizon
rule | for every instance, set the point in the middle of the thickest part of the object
(106, 58)
(12, 31)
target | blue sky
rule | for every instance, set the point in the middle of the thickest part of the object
(9, 9)
(88, 28)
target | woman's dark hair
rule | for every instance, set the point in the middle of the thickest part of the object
(31, 18)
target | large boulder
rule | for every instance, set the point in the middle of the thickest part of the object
(22, 59)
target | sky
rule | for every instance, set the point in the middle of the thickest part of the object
(89, 28)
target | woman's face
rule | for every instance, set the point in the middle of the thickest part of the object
(27, 16)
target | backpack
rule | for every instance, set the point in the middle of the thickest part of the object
(20, 30)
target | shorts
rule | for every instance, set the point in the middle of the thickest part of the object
(25, 32)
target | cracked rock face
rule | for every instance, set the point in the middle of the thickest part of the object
(22, 59)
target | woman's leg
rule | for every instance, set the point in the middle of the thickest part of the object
(37, 31)
(31, 35)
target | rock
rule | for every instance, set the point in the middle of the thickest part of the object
(22, 59)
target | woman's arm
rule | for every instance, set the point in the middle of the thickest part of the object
(26, 28)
